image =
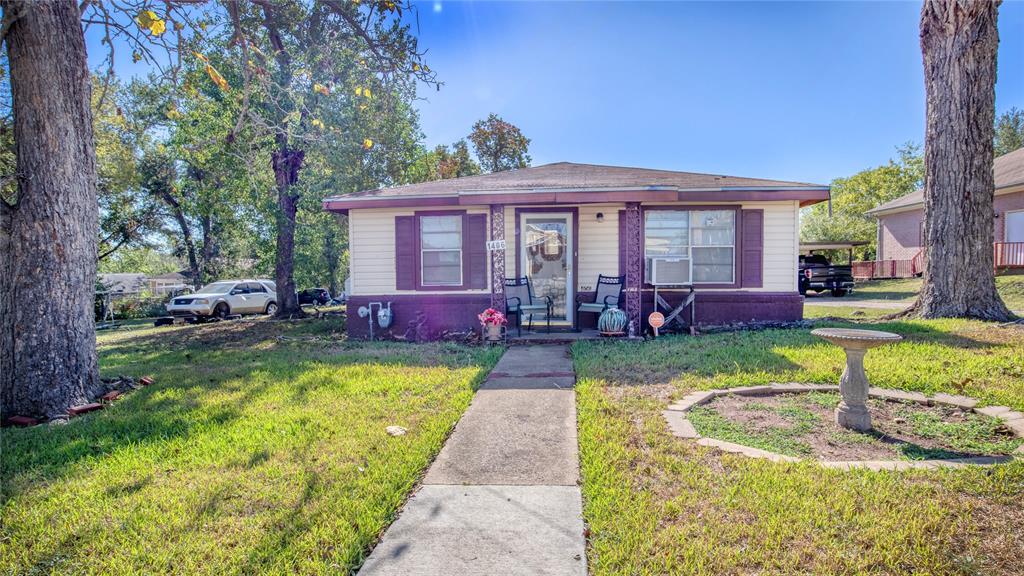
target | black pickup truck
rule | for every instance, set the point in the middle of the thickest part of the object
(818, 275)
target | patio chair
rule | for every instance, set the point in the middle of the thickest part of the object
(519, 300)
(609, 289)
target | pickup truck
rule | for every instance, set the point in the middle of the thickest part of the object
(818, 275)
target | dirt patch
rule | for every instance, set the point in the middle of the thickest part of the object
(804, 425)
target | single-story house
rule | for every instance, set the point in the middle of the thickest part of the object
(120, 283)
(439, 252)
(901, 221)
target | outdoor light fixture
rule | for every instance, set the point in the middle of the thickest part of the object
(600, 216)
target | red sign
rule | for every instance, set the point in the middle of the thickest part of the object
(656, 320)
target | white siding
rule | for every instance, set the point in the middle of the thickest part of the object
(599, 244)
(372, 246)
(372, 250)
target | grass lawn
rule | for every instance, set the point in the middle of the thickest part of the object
(904, 290)
(656, 504)
(261, 448)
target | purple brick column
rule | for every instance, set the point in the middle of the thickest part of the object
(498, 258)
(634, 263)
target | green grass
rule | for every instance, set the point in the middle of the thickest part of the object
(783, 440)
(904, 290)
(656, 504)
(973, 435)
(261, 448)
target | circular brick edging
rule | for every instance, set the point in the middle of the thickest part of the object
(681, 427)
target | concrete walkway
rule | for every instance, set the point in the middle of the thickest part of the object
(503, 495)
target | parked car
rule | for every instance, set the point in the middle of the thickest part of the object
(316, 296)
(227, 297)
(817, 274)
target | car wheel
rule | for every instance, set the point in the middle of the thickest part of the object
(221, 311)
(272, 308)
(838, 293)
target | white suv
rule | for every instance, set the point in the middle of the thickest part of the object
(227, 297)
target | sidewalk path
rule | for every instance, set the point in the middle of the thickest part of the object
(503, 495)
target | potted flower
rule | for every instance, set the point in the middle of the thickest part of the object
(492, 321)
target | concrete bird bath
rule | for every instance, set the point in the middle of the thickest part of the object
(852, 412)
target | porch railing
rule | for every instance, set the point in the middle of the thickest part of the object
(873, 269)
(1009, 254)
(1005, 255)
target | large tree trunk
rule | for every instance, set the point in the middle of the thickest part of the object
(287, 163)
(48, 360)
(959, 41)
(186, 237)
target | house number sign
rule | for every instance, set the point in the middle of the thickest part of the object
(493, 245)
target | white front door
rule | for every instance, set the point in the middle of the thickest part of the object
(546, 249)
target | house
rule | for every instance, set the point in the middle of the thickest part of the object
(439, 251)
(123, 283)
(168, 283)
(901, 224)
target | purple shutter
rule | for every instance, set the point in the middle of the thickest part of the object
(474, 246)
(622, 243)
(405, 252)
(751, 248)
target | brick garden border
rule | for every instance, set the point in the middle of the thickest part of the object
(681, 427)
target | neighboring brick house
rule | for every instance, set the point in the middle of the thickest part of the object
(901, 221)
(439, 252)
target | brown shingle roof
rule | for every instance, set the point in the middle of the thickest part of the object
(572, 176)
(1008, 171)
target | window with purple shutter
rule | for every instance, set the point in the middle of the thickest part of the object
(424, 249)
(752, 249)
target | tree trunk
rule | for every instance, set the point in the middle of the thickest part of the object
(209, 247)
(959, 41)
(48, 360)
(287, 163)
(186, 238)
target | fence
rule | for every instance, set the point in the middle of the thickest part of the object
(1005, 255)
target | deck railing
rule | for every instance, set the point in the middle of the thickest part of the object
(1005, 255)
(1009, 254)
(871, 269)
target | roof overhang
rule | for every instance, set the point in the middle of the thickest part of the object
(806, 195)
(1010, 189)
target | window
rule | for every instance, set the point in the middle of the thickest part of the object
(255, 288)
(703, 242)
(441, 250)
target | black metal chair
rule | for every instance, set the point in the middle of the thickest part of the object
(606, 295)
(519, 300)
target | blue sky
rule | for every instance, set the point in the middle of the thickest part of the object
(805, 91)
(797, 91)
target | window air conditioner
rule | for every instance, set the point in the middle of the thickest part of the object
(670, 271)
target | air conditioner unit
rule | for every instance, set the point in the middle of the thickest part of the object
(670, 271)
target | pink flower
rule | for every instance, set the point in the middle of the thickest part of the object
(491, 317)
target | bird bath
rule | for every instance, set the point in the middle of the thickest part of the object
(852, 412)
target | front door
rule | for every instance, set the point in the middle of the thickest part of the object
(546, 248)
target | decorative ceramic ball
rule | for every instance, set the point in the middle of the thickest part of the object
(612, 321)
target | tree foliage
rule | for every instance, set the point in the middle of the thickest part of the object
(1009, 132)
(854, 195)
(499, 145)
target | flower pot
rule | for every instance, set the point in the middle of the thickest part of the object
(492, 332)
